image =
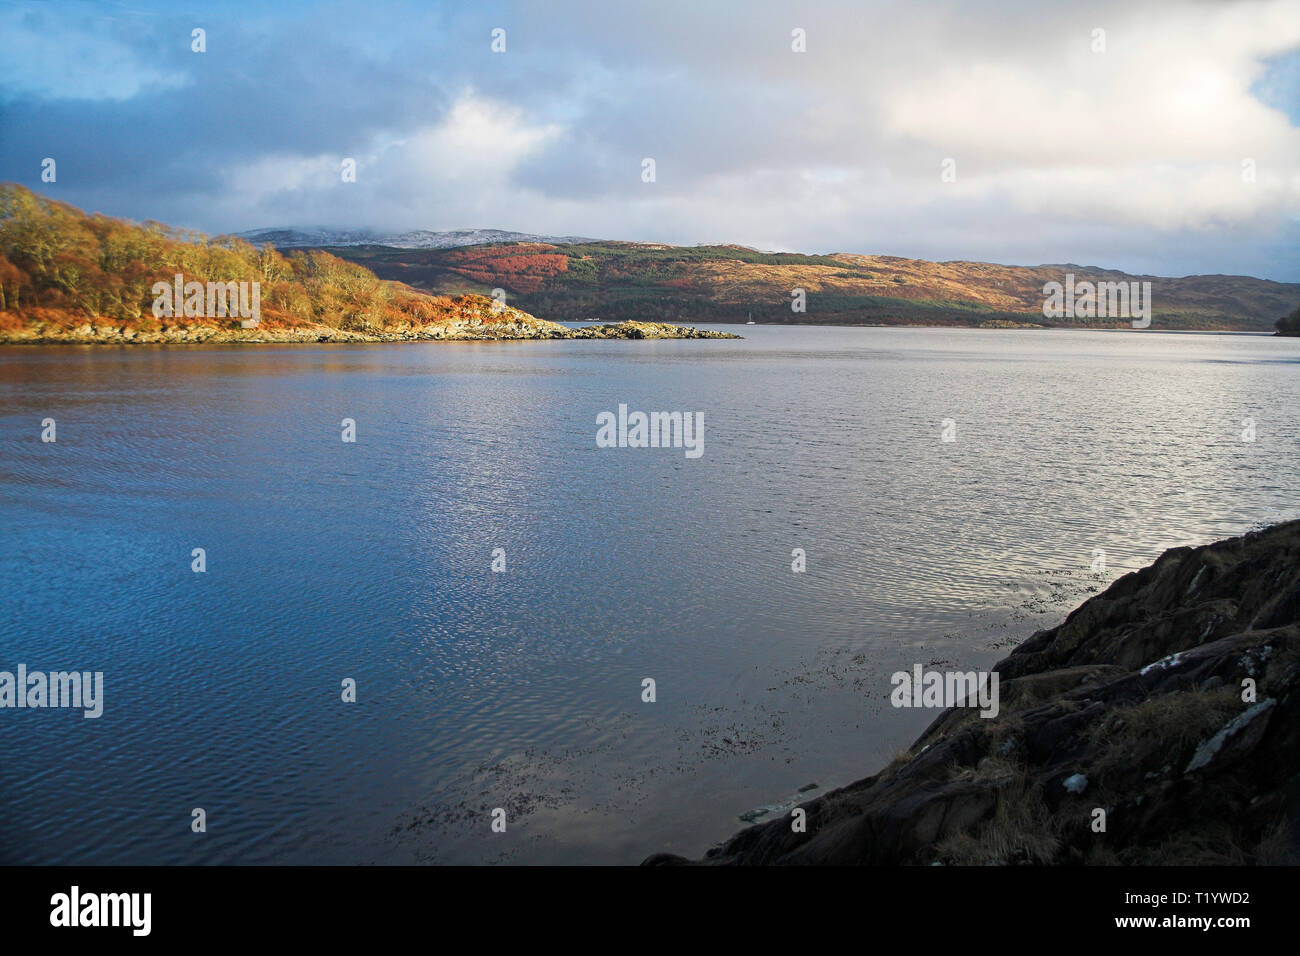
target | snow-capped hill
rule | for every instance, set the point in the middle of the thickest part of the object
(293, 238)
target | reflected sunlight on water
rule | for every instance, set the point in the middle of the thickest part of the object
(371, 560)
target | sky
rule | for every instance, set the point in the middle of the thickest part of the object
(1015, 132)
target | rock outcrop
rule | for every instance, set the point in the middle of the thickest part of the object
(1168, 703)
(645, 330)
(472, 319)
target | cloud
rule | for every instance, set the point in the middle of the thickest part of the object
(1132, 157)
(70, 56)
(458, 166)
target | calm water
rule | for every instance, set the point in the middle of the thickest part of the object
(522, 690)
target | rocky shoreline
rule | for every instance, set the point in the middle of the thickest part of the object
(512, 325)
(1157, 725)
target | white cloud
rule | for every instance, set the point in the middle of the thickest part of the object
(460, 165)
(1131, 157)
(1150, 132)
(78, 60)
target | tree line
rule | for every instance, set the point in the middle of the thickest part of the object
(59, 265)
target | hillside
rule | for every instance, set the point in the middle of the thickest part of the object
(658, 283)
(73, 278)
(67, 276)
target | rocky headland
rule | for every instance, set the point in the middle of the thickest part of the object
(1164, 709)
(70, 278)
(467, 318)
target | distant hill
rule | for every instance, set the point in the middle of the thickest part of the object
(418, 239)
(63, 273)
(652, 282)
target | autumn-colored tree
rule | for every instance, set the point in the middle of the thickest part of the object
(12, 281)
(57, 263)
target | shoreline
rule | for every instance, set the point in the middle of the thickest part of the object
(1163, 710)
(514, 329)
(628, 330)
(1001, 328)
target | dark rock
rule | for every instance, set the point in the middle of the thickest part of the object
(1169, 701)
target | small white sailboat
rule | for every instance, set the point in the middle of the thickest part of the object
(751, 318)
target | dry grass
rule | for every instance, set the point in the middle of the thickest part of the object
(1158, 731)
(1021, 829)
(1217, 844)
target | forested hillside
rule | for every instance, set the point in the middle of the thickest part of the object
(62, 270)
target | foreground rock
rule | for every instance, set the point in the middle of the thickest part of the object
(1134, 705)
(473, 319)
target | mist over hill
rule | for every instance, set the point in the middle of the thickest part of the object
(293, 238)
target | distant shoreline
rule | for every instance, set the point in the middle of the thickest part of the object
(991, 328)
(512, 330)
(206, 335)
